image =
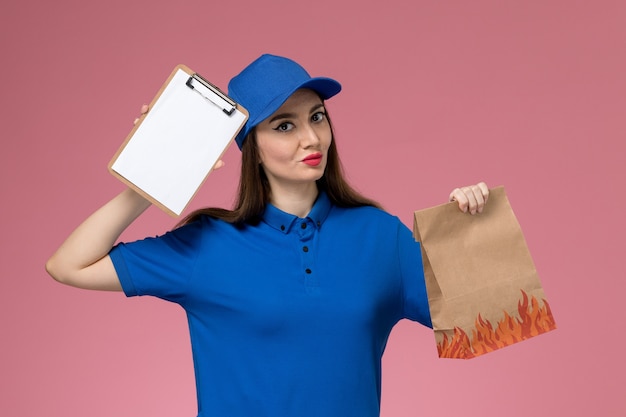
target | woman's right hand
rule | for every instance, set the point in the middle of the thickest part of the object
(143, 111)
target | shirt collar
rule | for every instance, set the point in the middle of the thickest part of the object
(283, 222)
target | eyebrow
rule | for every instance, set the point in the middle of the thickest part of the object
(293, 115)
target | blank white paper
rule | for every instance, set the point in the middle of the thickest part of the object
(177, 144)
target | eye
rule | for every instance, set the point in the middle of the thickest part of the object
(284, 127)
(318, 117)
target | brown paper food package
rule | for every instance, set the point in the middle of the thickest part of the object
(483, 289)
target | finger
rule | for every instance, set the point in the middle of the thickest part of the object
(144, 109)
(219, 164)
(475, 196)
(484, 190)
(459, 196)
(472, 198)
(481, 192)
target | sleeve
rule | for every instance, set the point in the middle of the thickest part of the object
(415, 302)
(159, 266)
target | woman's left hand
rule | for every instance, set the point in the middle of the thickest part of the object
(471, 198)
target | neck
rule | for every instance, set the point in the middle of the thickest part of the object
(297, 201)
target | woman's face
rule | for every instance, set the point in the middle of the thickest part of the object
(293, 142)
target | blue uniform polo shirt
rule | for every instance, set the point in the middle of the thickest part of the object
(289, 317)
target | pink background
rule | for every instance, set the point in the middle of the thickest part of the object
(526, 94)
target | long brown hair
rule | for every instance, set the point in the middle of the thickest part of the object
(254, 189)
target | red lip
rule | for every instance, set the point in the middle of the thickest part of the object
(314, 159)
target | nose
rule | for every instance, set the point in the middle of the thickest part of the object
(309, 136)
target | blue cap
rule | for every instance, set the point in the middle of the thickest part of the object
(264, 85)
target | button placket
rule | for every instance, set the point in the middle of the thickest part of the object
(306, 232)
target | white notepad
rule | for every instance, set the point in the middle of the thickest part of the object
(173, 148)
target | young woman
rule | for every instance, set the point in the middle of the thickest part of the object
(291, 295)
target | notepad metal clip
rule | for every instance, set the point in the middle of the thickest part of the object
(211, 93)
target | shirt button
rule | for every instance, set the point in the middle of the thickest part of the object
(282, 227)
(303, 225)
(305, 248)
(308, 271)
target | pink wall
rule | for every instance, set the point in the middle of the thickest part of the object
(528, 94)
